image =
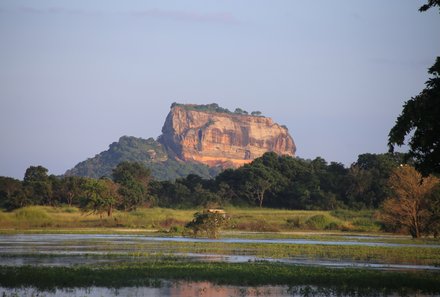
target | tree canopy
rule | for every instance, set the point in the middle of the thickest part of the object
(431, 3)
(420, 116)
(409, 205)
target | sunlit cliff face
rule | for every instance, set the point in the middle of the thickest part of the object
(223, 139)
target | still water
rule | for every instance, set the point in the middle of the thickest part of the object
(78, 249)
(73, 249)
(196, 289)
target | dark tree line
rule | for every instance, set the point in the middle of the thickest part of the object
(286, 182)
(127, 190)
(269, 181)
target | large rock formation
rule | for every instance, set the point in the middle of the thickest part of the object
(216, 137)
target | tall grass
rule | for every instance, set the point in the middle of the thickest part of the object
(244, 219)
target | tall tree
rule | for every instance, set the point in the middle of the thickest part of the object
(71, 189)
(408, 207)
(421, 116)
(134, 179)
(100, 196)
(37, 185)
(12, 194)
(258, 180)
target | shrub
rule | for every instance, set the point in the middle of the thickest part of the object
(31, 213)
(319, 222)
(33, 216)
(207, 222)
(295, 223)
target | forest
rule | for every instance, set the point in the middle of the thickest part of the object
(271, 181)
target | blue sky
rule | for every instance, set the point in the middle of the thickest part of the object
(77, 75)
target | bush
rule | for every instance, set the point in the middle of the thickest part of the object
(295, 223)
(33, 216)
(320, 222)
(207, 222)
(31, 213)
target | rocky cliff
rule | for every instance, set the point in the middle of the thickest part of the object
(216, 137)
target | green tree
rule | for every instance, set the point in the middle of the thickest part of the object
(134, 180)
(37, 185)
(258, 180)
(11, 193)
(420, 116)
(71, 189)
(208, 222)
(240, 111)
(100, 196)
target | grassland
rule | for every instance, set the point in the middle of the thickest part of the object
(173, 220)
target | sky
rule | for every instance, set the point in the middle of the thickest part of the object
(77, 75)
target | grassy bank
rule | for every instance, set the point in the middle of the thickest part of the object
(150, 273)
(372, 254)
(254, 219)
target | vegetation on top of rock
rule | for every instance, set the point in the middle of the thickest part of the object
(148, 152)
(214, 107)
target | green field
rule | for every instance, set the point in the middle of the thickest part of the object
(166, 220)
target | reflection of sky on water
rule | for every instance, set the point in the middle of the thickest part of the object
(181, 289)
(48, 239)
(75, 249)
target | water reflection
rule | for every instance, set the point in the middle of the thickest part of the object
(73, 249)
(178, 289)
(201, 289)
(53, 239)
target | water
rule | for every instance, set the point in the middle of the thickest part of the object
(79, 249)
(75, 249)
(196, 289)
(182, 289)
(35, 239)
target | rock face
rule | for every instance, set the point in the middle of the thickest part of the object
(217, 137)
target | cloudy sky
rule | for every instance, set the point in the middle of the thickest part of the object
(77, 75)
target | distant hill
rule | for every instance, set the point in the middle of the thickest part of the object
(146, 151)
(197, 139)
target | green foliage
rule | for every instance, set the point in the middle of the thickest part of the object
(134, 180)
(322, 222)
(99, 196)
(37, 185)
(420, 119)
(367, 179)
(208, 222)
(147, 152)
(213, 107)
(33, 216)
(240, 111)
(12, 194)
(32, 213)
(330, 281)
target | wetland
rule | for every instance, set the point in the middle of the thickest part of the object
(244, 264)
